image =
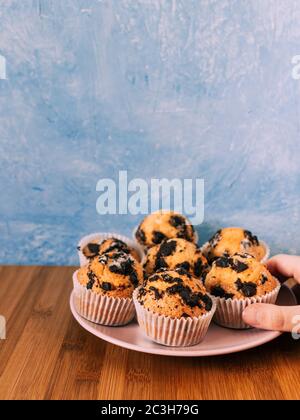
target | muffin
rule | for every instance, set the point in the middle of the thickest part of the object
(176, 253)
(173, 308)
(238, 281)
(104, 288)
(164, 225)
(95, 247)
(230, 241)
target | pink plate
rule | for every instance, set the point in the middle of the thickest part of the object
(218, 340)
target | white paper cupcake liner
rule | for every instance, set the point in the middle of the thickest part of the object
(173, 332)
(101, 236)
(100, 309)
(229, 312)
(205, 248)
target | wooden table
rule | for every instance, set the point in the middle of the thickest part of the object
(47, 355)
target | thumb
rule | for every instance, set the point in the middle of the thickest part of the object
(272, 317)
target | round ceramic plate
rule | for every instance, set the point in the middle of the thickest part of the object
(218, 340)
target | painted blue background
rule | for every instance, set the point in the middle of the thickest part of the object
(164, 88)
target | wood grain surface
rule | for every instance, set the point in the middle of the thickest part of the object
(47, 355)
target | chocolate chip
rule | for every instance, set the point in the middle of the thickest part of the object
(211, 258)
(167, 248)
(198, 267)
(92, 279)
(248, 289)
(103, 259)
(93, 248)
(213, 242)
(183, 272)
(117, 245)
(184, 315)
(158, 237)
(160, 263)
(207, 301)
(162, 270)
(134, 278)
(170, 279)
(140, 235)
(218, 291)
(90, 285)
(158, 295)
(142, 292)
(184, 265)
(223, 262)
(178, 279)
(183, 235)
(177, 221)
(124, 267)
(244, 256)
(154, 277)
(106, 286)
(204, 274)
(189, 298)
(251, 238)
(264, 279)
(239, 266)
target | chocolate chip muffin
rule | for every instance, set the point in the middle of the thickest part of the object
(176, 253)
(238, 277)
(108, 245)
(230, 241)
(164, 225)
(113, 274)
(175, 294)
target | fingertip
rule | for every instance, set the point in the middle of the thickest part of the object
(250, 315)
(283, 266)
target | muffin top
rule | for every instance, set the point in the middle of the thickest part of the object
(238, 277)
(108, 245)
(176, 253)
(164, 225)
(175, 294)
(114, 274)
(230, 241)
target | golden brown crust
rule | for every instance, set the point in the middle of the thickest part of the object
(113, 274)
(176, 253)
(238, 277)
(108, 245)
(175, 294)
(164, 225)
(235, 240)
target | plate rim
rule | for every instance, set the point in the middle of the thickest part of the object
(167, 351)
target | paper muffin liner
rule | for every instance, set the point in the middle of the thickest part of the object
(173, 332)
(205, 247)
(103, 310)
(101, 236)
(229, 312)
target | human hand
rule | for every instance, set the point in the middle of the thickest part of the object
(272, 317)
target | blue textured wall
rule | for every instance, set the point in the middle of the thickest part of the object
(204, 87)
